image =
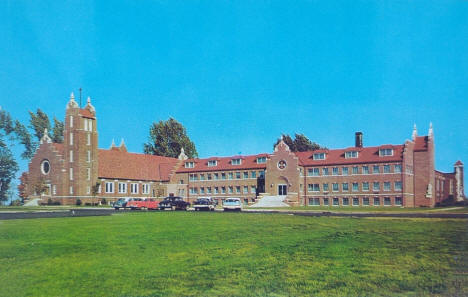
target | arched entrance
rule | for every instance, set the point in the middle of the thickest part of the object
(282, 186)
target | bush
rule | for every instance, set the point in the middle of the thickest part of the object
(78, 202)
(50, 202)
(103, 201)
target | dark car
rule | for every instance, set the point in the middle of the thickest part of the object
(174, 203)
(121, 203)
(204, 203)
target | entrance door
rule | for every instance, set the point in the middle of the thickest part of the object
(282, 190)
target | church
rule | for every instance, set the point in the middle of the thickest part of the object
(401, 175)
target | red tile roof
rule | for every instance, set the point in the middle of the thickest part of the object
(224, 163)
(87, 114)
(420, 144)
(116, 164)
(337, 156)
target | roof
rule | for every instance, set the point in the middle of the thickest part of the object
(365, 155)
(118, 164)
(224, 163)
(87, 114)
(420, 143)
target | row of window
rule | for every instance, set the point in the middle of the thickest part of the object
(223, 190)
(354, 154)
(355, 201)
(236, 161)
(376, 169)
(122, 188)
(397, 186)
(224, 175)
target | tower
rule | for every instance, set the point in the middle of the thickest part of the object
(80, 150)
(459, 177)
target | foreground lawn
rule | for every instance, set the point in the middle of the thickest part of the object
(232, 254)
(448, 209)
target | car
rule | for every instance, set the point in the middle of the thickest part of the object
(232, 204)
(121, 203)
(135, 203)
(204, 203)
(151, 203)
(174, 203)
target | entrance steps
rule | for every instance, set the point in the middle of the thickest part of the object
(33, 202)
(270, 201)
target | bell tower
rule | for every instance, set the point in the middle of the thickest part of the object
(80, 150)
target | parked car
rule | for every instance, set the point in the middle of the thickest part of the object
(121, 203)
(135, 203)
(204, 203)
(232, 204)
(151, 203)
(174, 203)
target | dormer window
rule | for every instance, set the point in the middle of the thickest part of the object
(236, 161)
(212, 163)
(189, 164)
(385, 152)
(261, 160)
(319, 156)
(351, 154)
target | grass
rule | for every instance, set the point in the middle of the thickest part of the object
(232, 254)
(451, 209)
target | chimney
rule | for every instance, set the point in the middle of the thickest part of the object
(358, 139)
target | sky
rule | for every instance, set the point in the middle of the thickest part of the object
(238, 74)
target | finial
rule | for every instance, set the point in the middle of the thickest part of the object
(113, 143)
(431, 131)
(45, 138)
(122, 143)
(89, 100)
(72, 96)
(415, 132)
(182, 155)
(72, 103)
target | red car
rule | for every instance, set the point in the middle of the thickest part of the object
(140, 203)
(151, 203)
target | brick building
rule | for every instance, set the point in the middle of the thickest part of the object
(385, 175)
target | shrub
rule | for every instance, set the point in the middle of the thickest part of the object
(103, 201)
(78, 202)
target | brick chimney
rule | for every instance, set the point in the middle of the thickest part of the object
(358, 139)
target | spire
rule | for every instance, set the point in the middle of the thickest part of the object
(113, 144)
(282, 144)
(415, 132)
(182, 155)
(431, 131)
(45, 138)
(89, 106)
(122, 146)
(72, 103)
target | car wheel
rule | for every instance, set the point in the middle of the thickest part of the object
(187, 207)
(116, 208)
(212, 209)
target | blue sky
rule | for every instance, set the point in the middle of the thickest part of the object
(237, 74)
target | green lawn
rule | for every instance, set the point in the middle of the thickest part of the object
(232, 254)
(448, 209)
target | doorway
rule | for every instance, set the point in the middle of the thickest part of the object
(282, 190)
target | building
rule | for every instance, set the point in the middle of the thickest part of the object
(385, 175)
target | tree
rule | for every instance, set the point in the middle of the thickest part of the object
(95, 190)
(22, 190)
(39, 122)
(57, 132)
(8, 169)
(300, 143)
(167, 138)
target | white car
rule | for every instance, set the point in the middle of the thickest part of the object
(232, 204)
(204, 203)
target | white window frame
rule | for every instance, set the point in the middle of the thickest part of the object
(237, 161)
(261, 160)
(385, 152)
(134, 188)
(71, 173)
(189, 164)
(109, 187)
(319, 156)
(122, 188)
(212, 163)
(351, 154)
(71, 156)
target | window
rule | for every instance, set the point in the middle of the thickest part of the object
(261, 160)
(385, 152)
(202, 176)
(376, 201)
(355, 170)
(325, 171)
(397, 168)
(376, 169)
(325, 201)
(386, 168)
(365, 201)
(193, 190)
(216, 190)
(202, 190)
(189, 164)
(344, 171)
(71, 190)
(246, 174)
(253, 174)
(336, 202)
(208, 176)
(376, 186)
(253, 189)
(346, 201)
(109, 187)
(345, 187)
(352, 154)
(88, 173)
(387, 201)
(122, 188)
(223, 190)
(319, 156)
(85, 121)
(236, 161)
(355, 201)
(71, 138)
(365, 169)
(365, 186)
(335, 171)
(71, 121)
(146, 188)
(398, 186)
(88, 156)
(90, 125)
(230, 189)
(71, 156)
(386, 186)
(193, 177)
(261, 173)
(212, 163)
(230, 175)
(314, 201)
(313, 187)
(223, 175)
(398, 201)
(313, 172)
(355, 187)
(238, 175)
(216, 176)
(71, 173)
(54, 189)
(88, 142)
(134, 188)
(238, 189)
(246, 189)
(88, 190)
(335, 187)
(325, 187)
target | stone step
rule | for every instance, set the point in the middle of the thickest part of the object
(270, 201)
